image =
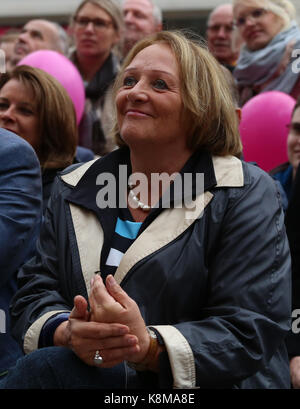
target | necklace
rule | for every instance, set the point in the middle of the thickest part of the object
(133, 196)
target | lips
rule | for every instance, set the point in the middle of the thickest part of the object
(253, 34)
(136, 113)
(221, 44)
(87, 41)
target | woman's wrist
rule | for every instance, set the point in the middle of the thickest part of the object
(150, 360)
(60, 337)
(154, 364)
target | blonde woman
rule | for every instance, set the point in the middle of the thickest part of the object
(270, 35)
(190, 292)
(96, 28)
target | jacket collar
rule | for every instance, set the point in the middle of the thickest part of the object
(86, 183)
(159, 228)
(218, 172)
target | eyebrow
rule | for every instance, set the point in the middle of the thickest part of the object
(150, 69)
(33, 31)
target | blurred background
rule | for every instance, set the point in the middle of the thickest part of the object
(190, 14)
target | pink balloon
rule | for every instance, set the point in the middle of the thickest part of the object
(263, 128)
(61, 68)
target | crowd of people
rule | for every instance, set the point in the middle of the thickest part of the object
(112, 276)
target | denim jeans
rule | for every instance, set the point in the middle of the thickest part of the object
(60, 368)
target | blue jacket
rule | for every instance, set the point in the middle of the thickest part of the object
(20, 216)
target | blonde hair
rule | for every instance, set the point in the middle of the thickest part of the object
(205, 94)
(284, 9)
(110, 6)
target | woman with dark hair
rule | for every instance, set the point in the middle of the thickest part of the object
(35, 106)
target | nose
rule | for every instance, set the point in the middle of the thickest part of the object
(222, 32)
(89, 27)
(23, 37)
(8, 114)
(138, 93)
(297, 140)
(128, 17)
(249, 21)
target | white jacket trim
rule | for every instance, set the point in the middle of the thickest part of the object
(89, 237)
(181, 357)
(31, 339)
(228, 171)
(75, 175)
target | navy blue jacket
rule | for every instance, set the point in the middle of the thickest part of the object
(20, 216)
(214, 283)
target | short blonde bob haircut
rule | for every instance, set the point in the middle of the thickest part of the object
(205, 93)
(56, 116)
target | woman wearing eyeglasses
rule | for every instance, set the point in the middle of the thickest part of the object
(270, 35)
(96, 26)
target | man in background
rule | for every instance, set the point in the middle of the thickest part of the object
(141, 18)
(222, 42)
(40, 35)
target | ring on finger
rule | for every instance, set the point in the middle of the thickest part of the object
(98, 360)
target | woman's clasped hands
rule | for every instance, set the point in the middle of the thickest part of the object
(114, 326)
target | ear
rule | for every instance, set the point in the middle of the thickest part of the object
(239, 113)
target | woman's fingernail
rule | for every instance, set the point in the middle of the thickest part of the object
(123, 331)
(111, 281)
(132, 341)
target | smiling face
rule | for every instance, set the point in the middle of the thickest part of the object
(149, 103)
(91, 40)
(18, 112)
(293, 141)
(257, 25)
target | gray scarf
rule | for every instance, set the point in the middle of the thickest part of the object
(255, 68)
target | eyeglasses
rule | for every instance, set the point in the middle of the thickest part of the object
(294, 128)
(217, 27)
(98, 23)
(254, 15)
